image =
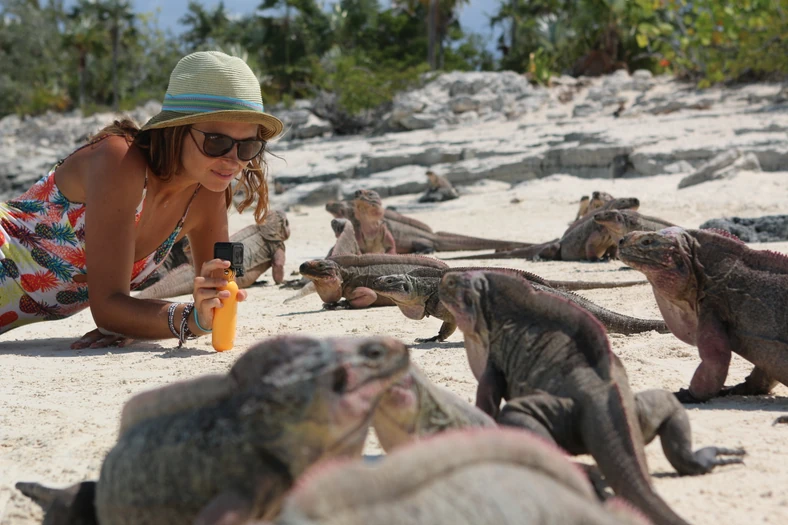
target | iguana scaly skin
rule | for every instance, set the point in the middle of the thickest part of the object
(659, 413)
(344, 210)
(621, 222)
(73, 505)
(414, 408)
(721, 296)
(346, 244)
(345, 234)
(188, 457)
(584, 240)
(349, 276)
(416, 295)
(439, 189)
(412, 239)
(264, 248)
(598, 200)
(372, 232)
(468, 477)
(523, 343)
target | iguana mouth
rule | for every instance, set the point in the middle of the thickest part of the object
(643, 260)
(400, 366)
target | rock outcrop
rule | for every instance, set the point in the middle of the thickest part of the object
(472, 126)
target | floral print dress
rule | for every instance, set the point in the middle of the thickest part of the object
(42, 249)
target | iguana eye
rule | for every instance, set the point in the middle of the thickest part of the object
(645, 242)
(373, 351)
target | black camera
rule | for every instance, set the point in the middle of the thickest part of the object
(233, 252)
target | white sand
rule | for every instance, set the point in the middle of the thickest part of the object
(59, 408)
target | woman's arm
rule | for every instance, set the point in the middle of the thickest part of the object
(209, 228)
(112, 191)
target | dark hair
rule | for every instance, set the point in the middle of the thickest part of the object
(164, 147)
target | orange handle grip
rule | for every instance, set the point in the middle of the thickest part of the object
(223, 335)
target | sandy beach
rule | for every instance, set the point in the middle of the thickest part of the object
(59, 408)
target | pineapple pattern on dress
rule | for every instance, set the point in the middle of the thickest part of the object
(42, 248)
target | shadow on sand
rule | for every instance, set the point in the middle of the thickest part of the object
(60, 347)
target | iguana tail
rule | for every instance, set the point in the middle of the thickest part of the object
(307, 289)
(613, 321)
(588, 285)
(451, 242)
(73, 505)
(547, 250)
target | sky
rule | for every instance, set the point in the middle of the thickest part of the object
(474, 17)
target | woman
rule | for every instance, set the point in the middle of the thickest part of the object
(117, 205)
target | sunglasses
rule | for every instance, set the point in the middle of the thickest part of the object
(218, 145)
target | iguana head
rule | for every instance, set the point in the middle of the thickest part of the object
(617, 224)
(326, 275)
(623, 203)
(397, 287)
(367, 205)
(665, 258)
(598, 199)
(315, 397)
(339, 209)
(276, 226)
(463, 294)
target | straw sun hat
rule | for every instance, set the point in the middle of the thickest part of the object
(210, 85)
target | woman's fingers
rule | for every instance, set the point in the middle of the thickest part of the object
(95, 339)
(209, 282)
(214, 264)
(108, 340)
(87, 339)
(240, 295)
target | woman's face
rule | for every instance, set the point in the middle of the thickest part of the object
(215, 173)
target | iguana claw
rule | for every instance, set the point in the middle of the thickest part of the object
(685, 397)
(344, 304)
(709, 457)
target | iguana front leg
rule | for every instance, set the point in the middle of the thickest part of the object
(553, 419)
(278, 265)
(446, 329)
(715, 356)
(251, 275)
(361, 297)
(549, 416)
(758, 383)
(492, 386)
(661, 414)
(596, 247)
(389, 244)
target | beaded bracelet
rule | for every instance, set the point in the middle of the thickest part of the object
(185, 332)
(197, 322)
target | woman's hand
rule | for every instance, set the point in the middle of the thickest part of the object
(100, 339)
(206, 295)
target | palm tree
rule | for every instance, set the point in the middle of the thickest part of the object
(84, 33)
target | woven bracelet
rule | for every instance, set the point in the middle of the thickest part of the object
(170, 316)
(185, 332)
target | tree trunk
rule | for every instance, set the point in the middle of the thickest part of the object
(115, 46)
(82, 69)
(432, 19)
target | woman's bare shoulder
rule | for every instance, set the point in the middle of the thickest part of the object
(116, 164)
